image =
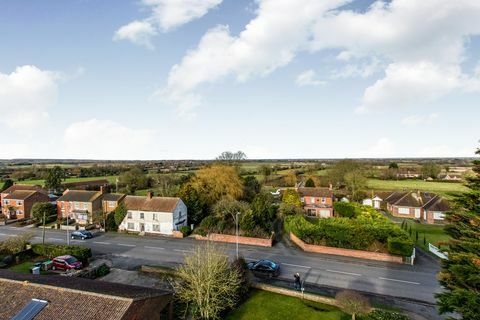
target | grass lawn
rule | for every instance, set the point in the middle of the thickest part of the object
(22, 267)
(433, 234)
(40, 182)
(264, 305)
(442, 188)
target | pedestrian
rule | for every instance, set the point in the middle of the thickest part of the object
(296, 276)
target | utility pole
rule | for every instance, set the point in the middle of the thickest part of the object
(236, 229)
(68, 235)
(43, 232)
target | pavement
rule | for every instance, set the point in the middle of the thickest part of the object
(416, 284)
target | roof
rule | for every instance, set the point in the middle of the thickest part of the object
(100, 182)
(415, 199)
(315, 192)
(79, 195)
(394, 197)
(438, 204)
(112, 196)
(72, 297)
(154, 204)
(17, 187)
(20, 194)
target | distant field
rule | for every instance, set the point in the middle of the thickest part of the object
(437, 187)
(40, 182)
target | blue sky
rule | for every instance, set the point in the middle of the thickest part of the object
(174, 79)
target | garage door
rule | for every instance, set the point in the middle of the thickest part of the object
(324, 213)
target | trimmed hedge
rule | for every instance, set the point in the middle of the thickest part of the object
(383, 315)
(360, 233)
(54, 250)
(345, 209)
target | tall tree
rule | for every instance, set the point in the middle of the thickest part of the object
(207, 283)
(336, 174)
(309, 183)
(291, 197)
(291, 178)
(353, 303)
(227, 209)
(195, 202)
(133, 180)
(266, 172)
(232, 156)
(7, 184)
(460, 274)
(263, 210)
(251, 187)
(393, 165)
(120, 213)
(54, 178)
(41, 211)
(355, 180)
(430, 169)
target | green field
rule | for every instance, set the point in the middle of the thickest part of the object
(40, 182)
(264, 305)
(443, 188)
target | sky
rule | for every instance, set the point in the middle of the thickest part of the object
(188, 79)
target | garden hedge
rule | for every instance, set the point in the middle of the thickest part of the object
(55, 250)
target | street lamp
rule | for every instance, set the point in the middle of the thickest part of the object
(236, 229)
(68, 235)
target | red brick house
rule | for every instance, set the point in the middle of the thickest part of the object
(18, 204)
(16, 187)
(424, 206)
(317, 202)
(110, 201)
(83, 206)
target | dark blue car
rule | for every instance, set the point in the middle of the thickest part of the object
(82, 234)
(264, 268)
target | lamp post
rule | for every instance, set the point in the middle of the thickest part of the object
(68, 235)
(236, 229)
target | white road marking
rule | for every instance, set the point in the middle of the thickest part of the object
(184, 251)
(125, 245)
(342, 272)
(11, 235)
(295, 265)
(3, 234)
(55, 239)
(155, 248)
(100, 242)
(396, 280)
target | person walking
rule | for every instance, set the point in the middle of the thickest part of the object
(297, 282)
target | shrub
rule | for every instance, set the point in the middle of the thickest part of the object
(185, 230)
(54, 250)
(247, 223)
(15, 244)
(345, 209)
(401, 246)
(383, 315)
(200, 231)
(110, 224)
(209, 222)
(241, 266)
(286, 209)
(103, 270)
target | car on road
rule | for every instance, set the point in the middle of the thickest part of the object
(66, 262)
(264, 268)
(82, 234)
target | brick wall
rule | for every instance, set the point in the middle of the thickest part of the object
(346, 252)
(233, 239)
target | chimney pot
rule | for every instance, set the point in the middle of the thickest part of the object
(102, 189)
(149, 195)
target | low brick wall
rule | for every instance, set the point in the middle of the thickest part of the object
(233, 239)
(177, 234)
(378, 256)
(296, 294)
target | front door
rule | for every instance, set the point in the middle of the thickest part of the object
(142, 227)
(417, 213)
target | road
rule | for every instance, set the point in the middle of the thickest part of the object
(129, 252)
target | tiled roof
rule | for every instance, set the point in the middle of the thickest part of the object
(315, 192)
(16, 187)
(154, 204)
(79, 195)
(415, 199)
(71, 297)
(112, 196)
(438, 204)
(20, 194)
(395, 196)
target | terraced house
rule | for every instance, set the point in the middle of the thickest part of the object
(154, 215)
(83, 206)
(18, 204)
(424, 206)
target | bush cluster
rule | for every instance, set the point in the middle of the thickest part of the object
(383, 315)
(185, 230)
(54, 250)
(360, 233)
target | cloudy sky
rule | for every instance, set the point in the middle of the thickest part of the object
(174, 79)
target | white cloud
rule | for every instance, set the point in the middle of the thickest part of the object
(308, 78)
(106, 139)
(26, 94)
(363, 70)
(416, 119)
(410, 83)
(382, 148)
(138, 32)
(165, 15)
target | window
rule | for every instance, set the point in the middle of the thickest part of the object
(156, 227)
(438, 215)
(77, 205)
(85, 205)
(312, 200)
(5, 201)
(130, 226)
(154, 215)
(403, 210)
(142, 216)
(112, 204)
(19, 202)
(129, 215)
(62, 204)
(324, 200)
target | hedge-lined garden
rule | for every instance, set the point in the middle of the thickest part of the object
(355, 227)
(53, 250)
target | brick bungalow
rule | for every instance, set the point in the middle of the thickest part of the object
(317, 202)
(56, 297)
(424, 206)
(18, 204)
(83, 206)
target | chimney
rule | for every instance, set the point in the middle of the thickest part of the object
(330, 187)
(149, 195)
(102, 190)
(65, 191)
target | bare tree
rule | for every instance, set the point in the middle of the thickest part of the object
(207, 283)
(232, 156)
(353, 303)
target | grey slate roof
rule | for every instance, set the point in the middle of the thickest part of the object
(79, 196)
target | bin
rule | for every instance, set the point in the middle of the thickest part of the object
(35, 270)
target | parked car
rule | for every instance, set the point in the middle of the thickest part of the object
(82, 234)
(66, 262)
(264, 268)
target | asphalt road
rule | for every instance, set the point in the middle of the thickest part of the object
(129, 252)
